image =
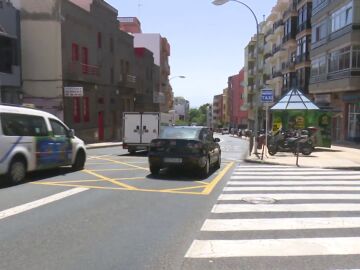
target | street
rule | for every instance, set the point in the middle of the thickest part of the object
(115, 215)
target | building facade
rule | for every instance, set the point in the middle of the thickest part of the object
(182, 107)
(238, 114)
(10, 54)
(335, 64)
(160, 47)
(85, 66)
(217, 113)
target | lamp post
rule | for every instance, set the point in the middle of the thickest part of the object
(256, 96)
(180, 76)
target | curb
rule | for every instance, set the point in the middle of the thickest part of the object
(88, 147)
(356, 168)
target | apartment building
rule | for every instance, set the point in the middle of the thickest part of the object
(335, 68)
(83, 69)
(217, 113)
(250, 74)
(182, 108)
(160, 48)
(238, 114)
(225, 119)
(10, 55)
(145, 81)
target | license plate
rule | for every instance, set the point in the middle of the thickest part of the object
(173, 160)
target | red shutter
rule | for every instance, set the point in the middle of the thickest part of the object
(76, 109)
(75, 52)
(86, 110)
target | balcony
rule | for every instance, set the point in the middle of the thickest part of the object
(83, 72)
(304, 26)
(291, 11)
(289, 37)
(127, 80)
(302, 58)
(321, 5)
(288, 66)
(277, 26)
(276, 74)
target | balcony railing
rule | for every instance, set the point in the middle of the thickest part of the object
(302, 58)
(291, 9)
(78, 69)
(289, 36)
(277, 24)
(305, 25)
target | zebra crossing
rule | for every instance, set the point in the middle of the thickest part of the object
(284, 212)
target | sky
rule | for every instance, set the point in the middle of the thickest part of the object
(207, 42)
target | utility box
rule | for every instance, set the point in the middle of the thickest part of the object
(139, 129)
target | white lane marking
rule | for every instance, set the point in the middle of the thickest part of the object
(296, 183)
(280, 224)
(311, 207)
(31, 205)
(297, 173)
(284, 169)
(264, 166)
(300, 177)
(274, 247)
(319, 188)
(289, 196)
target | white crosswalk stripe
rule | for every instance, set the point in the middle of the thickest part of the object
(289, 201)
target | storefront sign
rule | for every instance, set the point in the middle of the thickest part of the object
(73, 91)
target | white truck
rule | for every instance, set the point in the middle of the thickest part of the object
(140, 128)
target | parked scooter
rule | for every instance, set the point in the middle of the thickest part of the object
(290, 141)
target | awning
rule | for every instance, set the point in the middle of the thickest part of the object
(295, 100)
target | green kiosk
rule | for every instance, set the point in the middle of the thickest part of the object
(295, 111)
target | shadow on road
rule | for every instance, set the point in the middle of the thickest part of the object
(178, 174)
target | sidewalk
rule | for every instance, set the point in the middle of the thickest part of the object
(103, 145)
(336, 157)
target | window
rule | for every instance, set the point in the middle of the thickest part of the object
(58, 128)
(84, 60)
(75, 52)
(99, 40)
(23, 125)
(319, 31)
(76, 109)
(339, 60)
(356, 57)
(318, 66)
(342, 17)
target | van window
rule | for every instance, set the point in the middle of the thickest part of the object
(23, 125)
(57, 128)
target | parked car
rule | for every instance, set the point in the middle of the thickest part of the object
(34, 140)
(225, 131)
(190, 147)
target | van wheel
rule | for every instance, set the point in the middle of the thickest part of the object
(80, 159)
(17, 171)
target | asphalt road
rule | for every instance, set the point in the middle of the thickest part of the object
(112, 215)
(244, 216)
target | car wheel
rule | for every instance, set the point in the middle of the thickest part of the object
(17, 171)
(218, 162)
(132, 151)
(80, 159)
(154, 169)
(204, 171)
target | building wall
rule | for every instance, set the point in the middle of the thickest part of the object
(10, 59)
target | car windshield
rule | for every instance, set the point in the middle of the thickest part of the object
(179, 133)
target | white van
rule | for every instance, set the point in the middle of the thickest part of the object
(32, 140)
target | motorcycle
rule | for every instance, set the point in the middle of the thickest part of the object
(290, 141)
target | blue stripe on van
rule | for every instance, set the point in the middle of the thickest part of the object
(10, 150)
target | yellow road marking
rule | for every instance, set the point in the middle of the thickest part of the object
(124, 163)
(73, 181)
(72, 185)
(217, 179)
(110, 180)
(202, 182)
(108, 170)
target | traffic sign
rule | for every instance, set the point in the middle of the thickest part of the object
(267, 95)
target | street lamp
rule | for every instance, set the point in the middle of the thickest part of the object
(180, 76)
(222, 2)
